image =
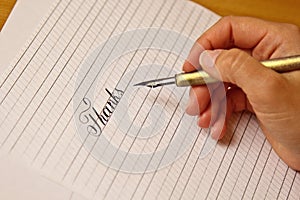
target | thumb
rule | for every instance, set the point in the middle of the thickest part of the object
(237, 67)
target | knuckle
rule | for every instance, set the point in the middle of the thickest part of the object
(293, 28)
(235, 59)
(228, 18)
(287, 31)
(234, 63)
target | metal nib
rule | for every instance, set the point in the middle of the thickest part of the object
(156, 82)
(150, 84)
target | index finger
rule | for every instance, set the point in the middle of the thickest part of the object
(232, 31)
(228, 32)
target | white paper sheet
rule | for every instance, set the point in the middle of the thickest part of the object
(70, 110)
(23, 20)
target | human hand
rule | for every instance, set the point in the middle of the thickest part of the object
(233, 48)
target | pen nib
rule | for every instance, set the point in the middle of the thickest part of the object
(149, 84)
(157, 82)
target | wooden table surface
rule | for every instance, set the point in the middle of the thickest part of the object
(275, 10)
(5, 8)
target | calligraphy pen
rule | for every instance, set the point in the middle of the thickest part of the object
(200, 77)
(280, 65)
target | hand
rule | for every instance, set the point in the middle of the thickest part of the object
(233, 47)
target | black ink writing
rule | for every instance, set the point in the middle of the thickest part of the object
(94, 120)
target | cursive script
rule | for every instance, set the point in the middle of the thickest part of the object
(96, 121)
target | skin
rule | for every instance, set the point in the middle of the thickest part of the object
(233, 48)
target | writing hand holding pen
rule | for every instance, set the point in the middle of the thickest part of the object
(274, 98)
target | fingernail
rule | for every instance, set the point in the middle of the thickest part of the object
(214, 133)
(208, 57)
(191, 104)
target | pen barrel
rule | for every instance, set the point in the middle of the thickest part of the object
(283, 64)
(193, 78)
(202, 78)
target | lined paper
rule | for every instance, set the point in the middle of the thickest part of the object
(70, 111)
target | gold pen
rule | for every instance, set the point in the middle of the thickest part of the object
(280, 65)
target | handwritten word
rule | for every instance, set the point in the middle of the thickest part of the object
(96, 121)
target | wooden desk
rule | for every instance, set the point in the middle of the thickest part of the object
(5, 8)
(275, 10)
